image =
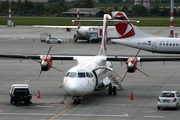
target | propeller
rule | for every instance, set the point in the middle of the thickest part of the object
(131, 65)
(44, 64)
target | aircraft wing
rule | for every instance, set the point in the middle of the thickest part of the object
(145, 59)
(62, 27)
(107, 58)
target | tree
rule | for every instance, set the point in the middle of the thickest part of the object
(102, 1)
(155, 10)
(139, 10)
(89, 4)
(125, 9)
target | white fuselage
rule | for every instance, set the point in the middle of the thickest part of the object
(151, 43)
(77, 85)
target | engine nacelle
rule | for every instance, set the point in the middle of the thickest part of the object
(131, 64)
(46, 63)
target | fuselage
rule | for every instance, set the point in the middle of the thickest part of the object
(153, 44)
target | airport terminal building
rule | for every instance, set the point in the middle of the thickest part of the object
(83, 12)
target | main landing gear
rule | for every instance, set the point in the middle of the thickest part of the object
(112, 90)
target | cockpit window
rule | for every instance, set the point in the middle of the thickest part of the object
(73, 74)
(81, 74)
(67, 74)
(88, 75)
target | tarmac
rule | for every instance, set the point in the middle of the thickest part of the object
(54, 105)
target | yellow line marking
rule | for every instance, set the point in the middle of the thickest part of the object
(159, 31)
(63, 111)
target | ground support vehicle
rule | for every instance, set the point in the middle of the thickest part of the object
(20, 93)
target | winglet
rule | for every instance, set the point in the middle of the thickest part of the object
(104, 36)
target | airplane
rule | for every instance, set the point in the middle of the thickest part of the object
(81, 32)
(88, 33)
(92, 73)
(130, 35)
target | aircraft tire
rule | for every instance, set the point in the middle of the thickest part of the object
(114, 90)
(110, 90)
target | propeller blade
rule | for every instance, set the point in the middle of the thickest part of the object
(141, 71)
(55, 68)
(136, 55)
(48, 52)
(120, 59)
(39, 75)
(32, 59)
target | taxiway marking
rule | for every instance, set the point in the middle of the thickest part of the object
(154, 116)
(97, 115)
(26, 114)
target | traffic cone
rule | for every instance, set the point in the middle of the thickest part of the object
(33, 39)
(38, 95)
(132, 98)
(70, 40)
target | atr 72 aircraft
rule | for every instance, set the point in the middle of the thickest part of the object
(133, 37)
(92, 73)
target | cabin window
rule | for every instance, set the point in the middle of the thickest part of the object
(88, 75)
(166, 44)
(176, 44)
(170, 44)
(81, 74)
(173, 44)
(67, 74)
(73, 74)
(163, 44)
(160, 44)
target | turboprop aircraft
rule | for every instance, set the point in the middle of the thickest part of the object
(81, 32)
(92, 73)
(130, 35)
(85, 32)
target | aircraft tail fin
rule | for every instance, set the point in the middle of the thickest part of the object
(103, 48)
(127, 29)
(124, 29)
(78, 18)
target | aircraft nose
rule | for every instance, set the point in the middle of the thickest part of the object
(74, 87)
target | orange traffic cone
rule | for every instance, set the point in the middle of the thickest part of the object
(132, 98)
(33, 39)
(38, 95)
(70, 40)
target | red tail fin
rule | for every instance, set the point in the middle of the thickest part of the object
(124, 29)
(78, 18)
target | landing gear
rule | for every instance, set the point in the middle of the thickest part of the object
(112, 89)
(76, 100)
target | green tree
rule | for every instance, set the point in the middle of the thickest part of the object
(89, 4)
(102, 1)
(139, 10)
(125, 9)
(155, 10)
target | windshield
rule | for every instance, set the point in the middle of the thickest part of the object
(73, 74)
(81, 74)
